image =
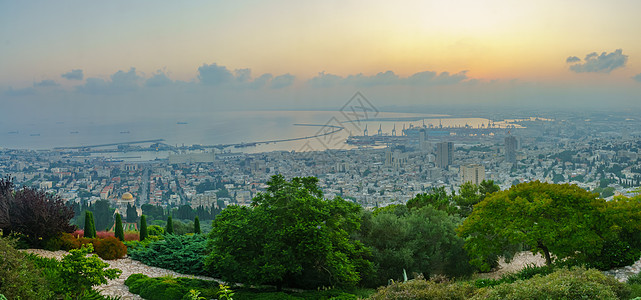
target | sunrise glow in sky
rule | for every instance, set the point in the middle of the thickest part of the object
(302, 52)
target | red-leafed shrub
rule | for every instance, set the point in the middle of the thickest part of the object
(104, 234)
(132, 236)
(110, 248)
(79, 233)
(69, 241)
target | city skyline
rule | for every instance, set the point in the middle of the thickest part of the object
(289, 55)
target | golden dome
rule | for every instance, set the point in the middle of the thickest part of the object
(127, 197)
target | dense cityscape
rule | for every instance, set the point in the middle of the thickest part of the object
(597, 152)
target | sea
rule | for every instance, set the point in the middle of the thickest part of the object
(215, 128)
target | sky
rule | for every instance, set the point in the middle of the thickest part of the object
(163, 57)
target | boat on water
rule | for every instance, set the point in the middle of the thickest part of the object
(35, 134)
(125, 132)
(181, 123)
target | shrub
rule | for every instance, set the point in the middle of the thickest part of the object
(169, 229)
(79, 272)
(19, 278)
(526, 273)
(576, 283)
(155, 230)
(104, 234)
(65, 241)
(35, 215)
(110, 248)
(180, 253)
(423, 289)
(131, 236)
(169, 288)
(635, 279)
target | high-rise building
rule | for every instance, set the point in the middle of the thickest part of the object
(444, 154)
(473, 173)
(422, 140)
(510, 149)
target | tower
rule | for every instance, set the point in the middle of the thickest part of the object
(365, 131)
(394, 130)
(444, 154)
(510, 149)
(380, 130)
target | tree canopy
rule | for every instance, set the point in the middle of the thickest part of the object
(556, 220)
(290, 236)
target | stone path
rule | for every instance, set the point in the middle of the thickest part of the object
(117, 287)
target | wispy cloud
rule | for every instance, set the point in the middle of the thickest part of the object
(426, 78)
(45, 83)
(73, 75)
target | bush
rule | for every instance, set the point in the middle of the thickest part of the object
(155, 230)
(32, 214)
(635, 279)
(19, 278)
(424, 289)
(526, 273)
(79, 272)
(169, 288)
(576, 283)
(180, 253)
(110, 248)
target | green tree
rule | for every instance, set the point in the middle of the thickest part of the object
(132, 214)
(563, 221)
(79, 272)
(103, 214)
(437, 198)
(143, 228)
(196, 225)
(471, 194)
(118, 232)
(169, 229)
(419, 240)
(290, 237)
(90, 228)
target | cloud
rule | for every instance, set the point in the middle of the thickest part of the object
(572, 59)
(261, 81)
(45, 83)
(325, 80)
(426, 78)
(604, 63)
(214, 74)
(243, 75)
(282, 81)
(637, 77)
(158, 79)
(121, 82)
(20, 92)
(73, 75)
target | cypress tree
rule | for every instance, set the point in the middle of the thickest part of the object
(196, 225)
(90, 227)
(170, 226)
(118, 230)
(143, 227)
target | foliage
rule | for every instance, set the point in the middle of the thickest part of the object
(143, 228)
(19, 278)
(170, 288)
(425, 289)
(197, 225)
(563, 220)
(183, 227)
(169, 229)
(32, 214)
(118, 228)
(103, 214)
(471, 194)
(225, 293)
(132, 214)
(110, 248)
(155, 230)
(436, 198)
(526, 273)
(634, 279)
(181, 253)
(90, 227)
(420, 241)
(576, 283)
(290, 237)
(79, 272)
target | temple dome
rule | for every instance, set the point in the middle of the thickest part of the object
(127, 197)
